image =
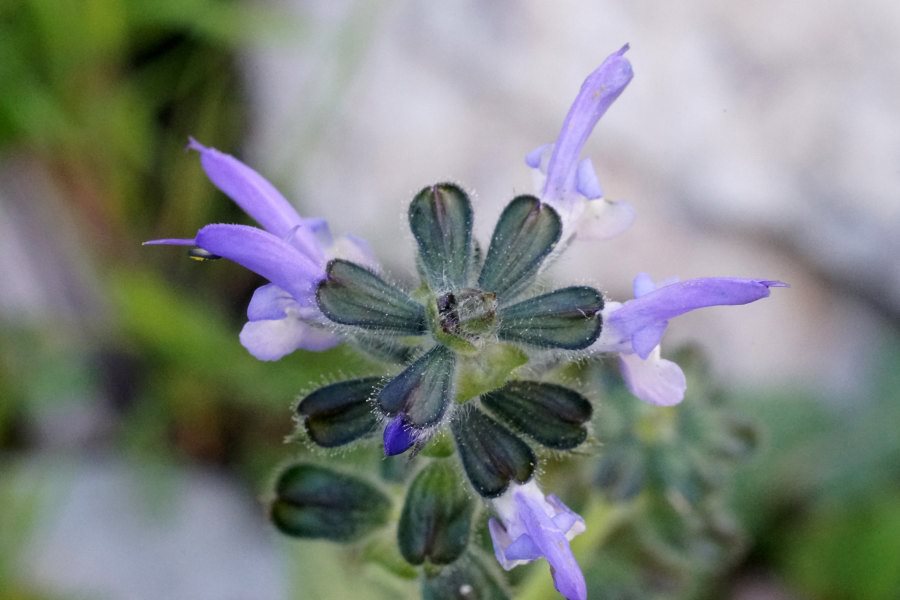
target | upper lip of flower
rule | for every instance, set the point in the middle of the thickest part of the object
(599, 90)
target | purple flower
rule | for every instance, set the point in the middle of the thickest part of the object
(634, 329)
(291, 252)
(532, 526)
(398, 436)
(570, 185)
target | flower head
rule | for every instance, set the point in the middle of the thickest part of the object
(290, 251)
(531, 526)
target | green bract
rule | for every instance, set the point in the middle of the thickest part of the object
(466, 331)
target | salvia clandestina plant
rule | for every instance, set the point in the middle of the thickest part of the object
(468, 386)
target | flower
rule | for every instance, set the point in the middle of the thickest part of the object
(290, 251)
(465, 322)
(533, 526)
(398, 437)
(569, 185)
(634, 329)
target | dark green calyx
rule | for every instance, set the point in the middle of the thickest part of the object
(440, 217)
(551, 414)
(340, 413)
(467, 313)
(525, 235)
(423, 390)
(315, 502)
(353, 295)
(472, 577)
(491, 454)
(436, 518)
(568, 318)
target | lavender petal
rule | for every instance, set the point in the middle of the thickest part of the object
(271, 339)
(265, 254)
(639, 319)
(249, 190)
(598, 92)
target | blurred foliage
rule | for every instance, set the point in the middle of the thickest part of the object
(822, 500)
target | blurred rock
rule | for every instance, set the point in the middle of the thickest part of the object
(118, 530)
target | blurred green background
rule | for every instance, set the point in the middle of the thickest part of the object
(121, 372)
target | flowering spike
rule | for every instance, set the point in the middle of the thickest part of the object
(567, 318)
(524, 236)
(440, 217)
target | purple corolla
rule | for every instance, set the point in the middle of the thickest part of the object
(635, 328)
(290, 251)
(531, 526)
(570, 185)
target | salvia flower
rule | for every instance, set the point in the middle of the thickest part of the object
(530, 526)
(569, 184)
(290, 251)
(635, 329)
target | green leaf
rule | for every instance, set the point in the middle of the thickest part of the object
(551, 414)
(340, 413)
(525, 234)
(353, 295)
(315, 502)
(568, 318)
(491, 454)
(436, 518)
(440, 217)
(423, 390)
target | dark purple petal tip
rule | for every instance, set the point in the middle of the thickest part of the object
(398, 436)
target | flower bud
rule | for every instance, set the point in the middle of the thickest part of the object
(436, 518)
(315, 502)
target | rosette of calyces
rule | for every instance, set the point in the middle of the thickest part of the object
(463, 333)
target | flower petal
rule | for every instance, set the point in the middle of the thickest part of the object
(269, 302)
(249, 190)
(265, 254)
(653, 309)
(598, 92)
(398, 436)
(654, 379)
(567, 575)
(603, 219)
(275, 338)
(530, 526)
(586, 182)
